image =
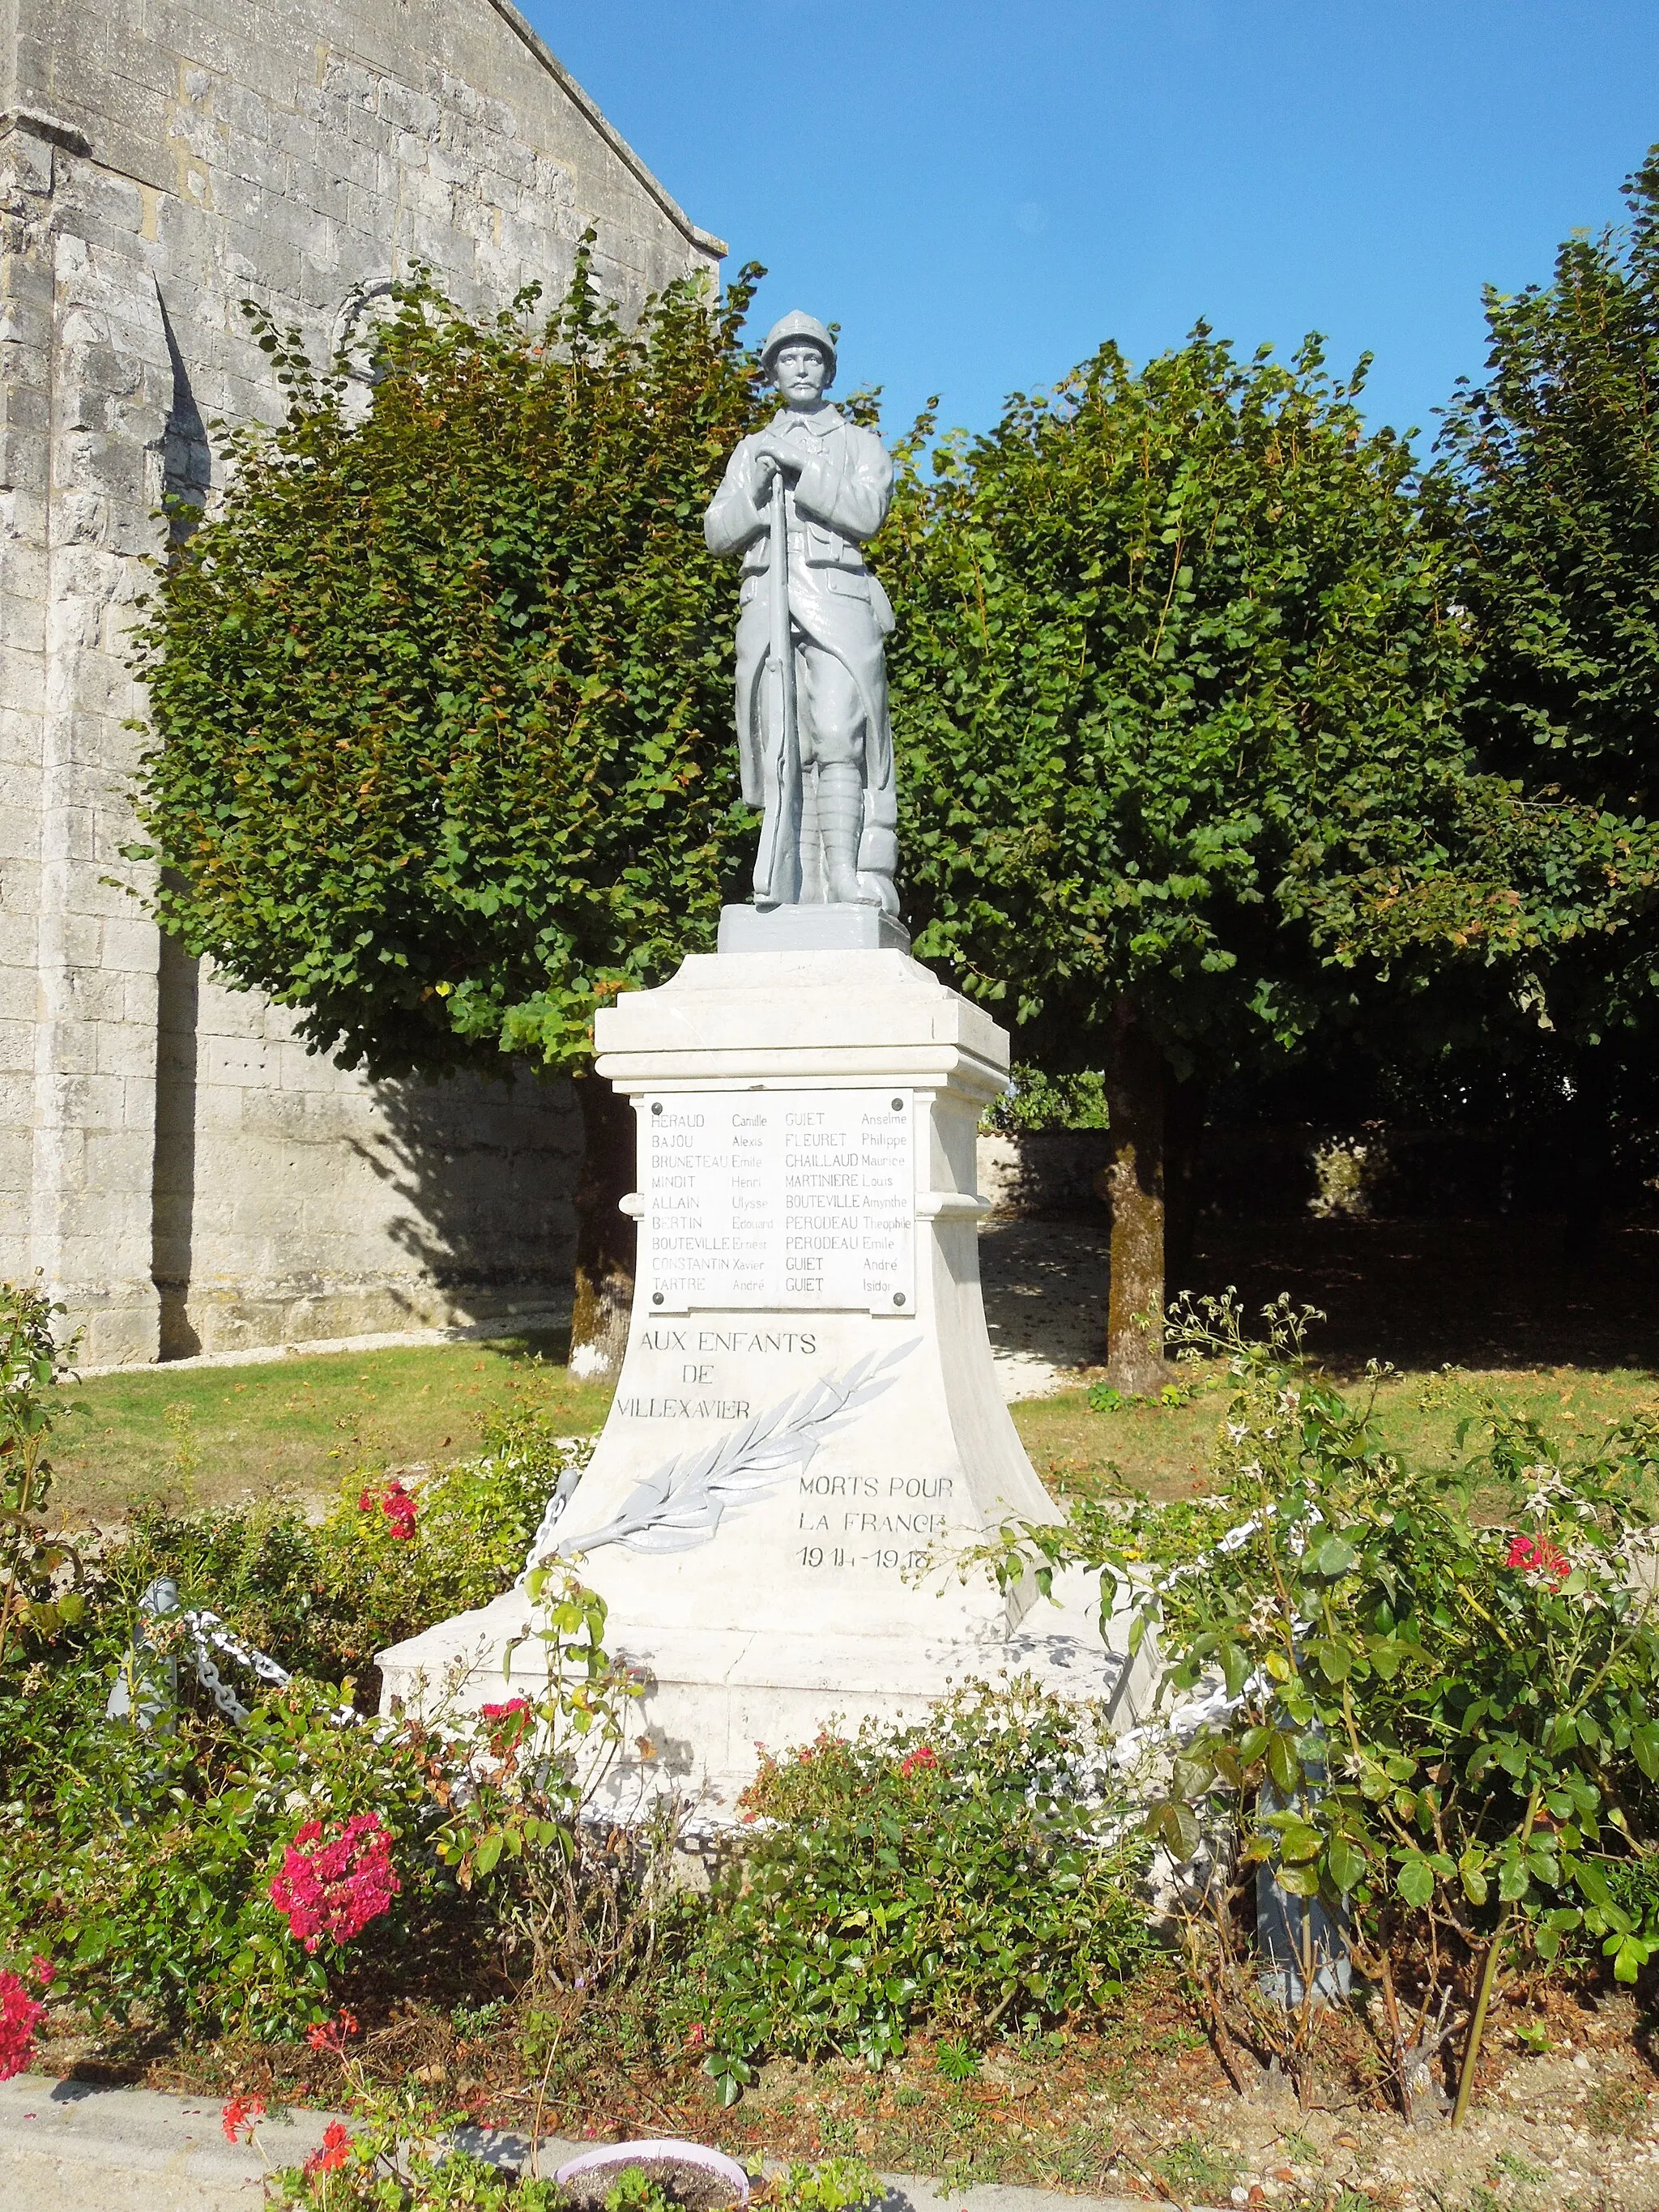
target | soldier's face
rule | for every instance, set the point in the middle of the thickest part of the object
(800, 372)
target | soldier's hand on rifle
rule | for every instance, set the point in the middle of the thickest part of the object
(772, 455)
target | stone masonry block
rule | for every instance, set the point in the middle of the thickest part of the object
(18, 930)
(237, 1065)
(313, 184)
(111, 206)
(129, 940)
(23, 467)
(17, 1083)
(25, 164)
(97, 1000)
(126, 1050)
(28, 411)
(209, 35)
(130, 56)
(17, 1183)
(17, 1057)
(121, 1336)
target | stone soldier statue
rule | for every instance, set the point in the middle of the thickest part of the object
(799, 499)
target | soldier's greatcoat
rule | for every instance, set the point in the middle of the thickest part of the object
(837, 606)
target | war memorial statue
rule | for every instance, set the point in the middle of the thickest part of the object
(798, 499)
(807, 1428)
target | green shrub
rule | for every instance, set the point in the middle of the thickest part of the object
(323, 1600)
(141, 1862)
(1039, 1101)
(39, 1573)
(140, 1858)
(976, 1873)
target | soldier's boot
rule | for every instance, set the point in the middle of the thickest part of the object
(841, 824)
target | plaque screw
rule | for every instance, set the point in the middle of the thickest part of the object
(898, 1297)
(656, 1107)
(656, 1298)
(898, 1105)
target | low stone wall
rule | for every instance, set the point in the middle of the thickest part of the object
(1041, 1172)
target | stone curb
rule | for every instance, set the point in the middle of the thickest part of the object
(72, 2146)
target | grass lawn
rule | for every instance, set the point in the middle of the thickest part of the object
(1163, 1450)
(212, 1435)
(216, 1436)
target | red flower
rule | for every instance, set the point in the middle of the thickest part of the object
(240, 2116)
(921, 1760)
(507, 1726)
(1536, 1555)
(19, 2013)
(332, 2034)
(398, 1506)
(336, 2150)
(44, 1973)
(697, 2035)
(335, 1889)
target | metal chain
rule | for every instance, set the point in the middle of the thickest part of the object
(207, 1633)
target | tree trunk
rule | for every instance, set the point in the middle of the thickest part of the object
(606, 1239)
(1589, 1140)
(1135, 1084)
(1184, 1107)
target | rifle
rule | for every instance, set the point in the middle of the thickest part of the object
(777, 870)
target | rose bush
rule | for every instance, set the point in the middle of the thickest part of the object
(1447, 1731)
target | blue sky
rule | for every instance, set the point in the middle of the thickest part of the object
(979, 193)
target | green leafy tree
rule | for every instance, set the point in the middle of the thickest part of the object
(441, 698)
(1550, 496)
(1173, 655)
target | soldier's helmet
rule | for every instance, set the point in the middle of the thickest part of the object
(796, 327)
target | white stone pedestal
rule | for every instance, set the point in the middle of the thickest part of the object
(807, 1415)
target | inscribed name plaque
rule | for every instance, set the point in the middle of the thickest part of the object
(779, 1200)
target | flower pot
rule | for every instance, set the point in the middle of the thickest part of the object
(689, 2174)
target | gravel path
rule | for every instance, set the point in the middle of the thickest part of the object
(1045, 1301)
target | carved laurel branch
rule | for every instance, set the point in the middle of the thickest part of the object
(681, 1505)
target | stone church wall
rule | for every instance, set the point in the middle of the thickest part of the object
(174, 1164)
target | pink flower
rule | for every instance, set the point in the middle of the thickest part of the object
(336, 2150)
(697, 2035)
(1536, 1555)
(239, 2116)
(335, 1889)
(18, 2014)
(43, 1970)
(920, 1761)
